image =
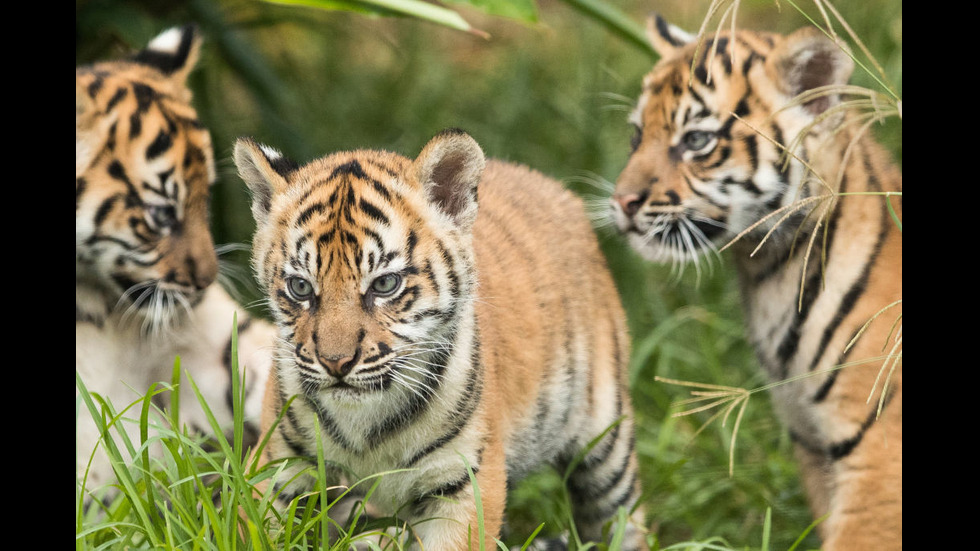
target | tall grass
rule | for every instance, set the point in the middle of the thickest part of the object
(553, 95)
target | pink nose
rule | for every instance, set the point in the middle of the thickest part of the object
(629, 202)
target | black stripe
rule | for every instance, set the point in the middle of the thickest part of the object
(828, 383)
(116, 98)
(741, 110)
(723, 155)
(460, 416)
(168, 62)
(160, 144)
(583, 485)
(373, 212)
(308, 212)
(811, 291)
(351, 168)
(95, 86)
(103, 212)
(381, 190)
(664, 31)
(595, 512)
(283, 165)
(752, 150)
(857, 288)
(446, 490)
(824, 389)
(331, 428)
(416, 404)
(844, 448)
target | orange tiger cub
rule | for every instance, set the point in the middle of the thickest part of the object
(436, 314)
(146, 267)
(705, 169)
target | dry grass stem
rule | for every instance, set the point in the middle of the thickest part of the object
(733, 396)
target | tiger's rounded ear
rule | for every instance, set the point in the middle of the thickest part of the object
(808, 59)
(450, 168)
(666, 38)
(265, 172)
(174, 52)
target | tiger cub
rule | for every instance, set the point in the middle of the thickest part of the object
(705, 169)
(426, 338)
(145, 264)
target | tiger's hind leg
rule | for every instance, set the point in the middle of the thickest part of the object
(606, 480)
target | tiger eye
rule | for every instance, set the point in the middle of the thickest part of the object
(385, 285)
(164, 216)
(697, 140)
(299, 288)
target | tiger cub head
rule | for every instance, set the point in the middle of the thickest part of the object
(705, 165)
(143, 168)
(366, 258)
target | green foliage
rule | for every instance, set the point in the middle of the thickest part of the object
(546, 84)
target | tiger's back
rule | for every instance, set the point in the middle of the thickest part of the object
(427, 319)
(535, 248)
(817, 250)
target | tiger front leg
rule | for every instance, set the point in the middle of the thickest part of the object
(447, 519)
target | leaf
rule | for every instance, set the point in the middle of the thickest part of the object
(615, 20)
(411, 8)
(521, 10)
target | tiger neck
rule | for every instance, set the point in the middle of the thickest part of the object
(782, 282)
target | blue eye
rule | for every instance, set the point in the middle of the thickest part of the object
(299, 288)
(696, 140)
(386, 284)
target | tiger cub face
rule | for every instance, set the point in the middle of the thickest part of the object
(704, 166)
(364, 265)
(143, 167)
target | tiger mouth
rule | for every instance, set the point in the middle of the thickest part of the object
(678, 240)
(388, 373)
(668, 231)
(143, 294)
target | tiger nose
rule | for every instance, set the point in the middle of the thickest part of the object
(338, 366)
(630, 203)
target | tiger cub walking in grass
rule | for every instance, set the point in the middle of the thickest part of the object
(705, 169)
(145, 264)
(425, 336)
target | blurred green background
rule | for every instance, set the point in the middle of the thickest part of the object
(550, 89)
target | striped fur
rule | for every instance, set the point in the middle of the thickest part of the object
(702, 174)
(421, 335)
(145, 264)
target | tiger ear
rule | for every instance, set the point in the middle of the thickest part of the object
(174, 52)
(666, 38)
(265, 172)
(809, 59)
(449, 168)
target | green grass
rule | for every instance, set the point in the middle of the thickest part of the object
(553, 95)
